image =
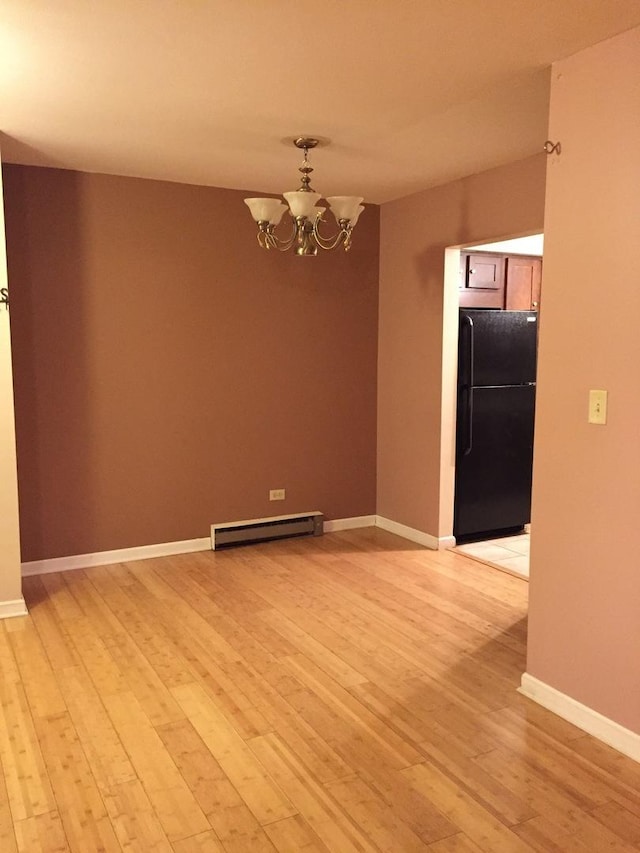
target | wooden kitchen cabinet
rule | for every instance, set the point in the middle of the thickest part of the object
(482, 280)
(522, 290)
(500, 281)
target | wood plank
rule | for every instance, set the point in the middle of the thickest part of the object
(398, 751)
(463, 810)
(84, 817)
(109, 761)
(622, 775)
(216, 664)
(52, 631)
(205, 842)
(27, 782)
(324, 814)
(329, 662)
(459, 843)
(7, 834)
(263, 797)
(546, 836)
(534, 786)
(294, 835)
(559, 802)
(41, 834)
(82, 586)
(494, 796)
(367, 760)
(179, 813)
(225, 809)
(9, 672)
(95, 655)
(136, 650)
(40, 683)
(381, 823)
(134, 819)
(314, 752)
(58, 595)
(555, 760)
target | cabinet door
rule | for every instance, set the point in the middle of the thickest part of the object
(485, 272)
(523, 283)
(482, 281)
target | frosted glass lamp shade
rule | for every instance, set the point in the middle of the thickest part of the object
(265, 209)
(301, 203)
(277, 214)
(344, 206)
(356, 216)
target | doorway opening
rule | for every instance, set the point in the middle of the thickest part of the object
(485, 279)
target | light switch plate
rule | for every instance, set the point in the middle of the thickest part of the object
(597, 407)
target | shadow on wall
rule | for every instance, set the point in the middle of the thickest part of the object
(430, 262)
(17, 151)
(53, 442)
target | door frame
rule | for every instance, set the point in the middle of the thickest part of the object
(448, 402)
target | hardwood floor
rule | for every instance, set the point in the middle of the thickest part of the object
(347, 693)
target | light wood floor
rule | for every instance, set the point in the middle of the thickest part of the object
(346, 693)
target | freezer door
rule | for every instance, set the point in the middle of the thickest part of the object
(493, 461)
(497, 347)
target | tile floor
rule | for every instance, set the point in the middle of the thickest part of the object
(510, 553)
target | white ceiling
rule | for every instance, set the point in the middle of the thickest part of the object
(531, 245)
(411, 93)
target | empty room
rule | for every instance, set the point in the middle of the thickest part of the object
(261, 498)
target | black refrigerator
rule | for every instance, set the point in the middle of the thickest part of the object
(496, 406)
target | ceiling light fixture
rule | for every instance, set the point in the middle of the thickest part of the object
(306, 216)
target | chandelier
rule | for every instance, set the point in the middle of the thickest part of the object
(302, 206)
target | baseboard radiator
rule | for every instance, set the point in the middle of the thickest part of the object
(265, 529)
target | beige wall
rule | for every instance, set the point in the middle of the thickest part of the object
(584, 628)
(10, 590)
(169, 372)
(413, 447)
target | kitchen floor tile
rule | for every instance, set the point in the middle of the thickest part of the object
(485, 551)
(508, 553)
(517, 565)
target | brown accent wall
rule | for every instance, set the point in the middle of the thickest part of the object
(168, 372)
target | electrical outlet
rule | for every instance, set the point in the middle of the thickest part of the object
(276, 494)
(597, 407)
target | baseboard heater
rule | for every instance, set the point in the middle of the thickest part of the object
(265, 529)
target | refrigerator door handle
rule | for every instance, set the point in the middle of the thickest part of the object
(468, 444)
(468, 389)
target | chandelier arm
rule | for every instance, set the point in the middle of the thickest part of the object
(329, 243)
(285, 245)
(282, 246)
(268, 240)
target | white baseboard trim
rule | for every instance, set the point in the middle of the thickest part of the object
(123, 555)
(336, 524)
(624, 740)
(409, 533)
(390, 526)
(17, 607)
(188, 546)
